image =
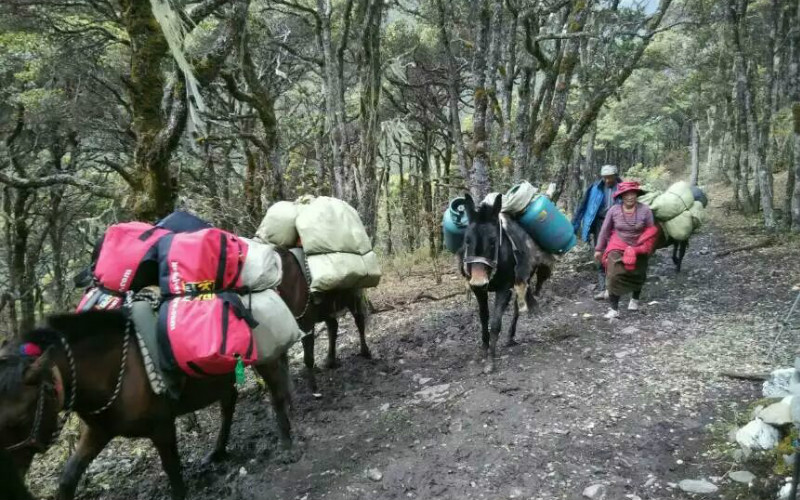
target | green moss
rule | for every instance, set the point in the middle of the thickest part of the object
(785, 447)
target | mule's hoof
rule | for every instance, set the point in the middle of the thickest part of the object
(214, 457)
(331, 363)
(524, 309)
(511, 343)
(365, 354)
(488, 368)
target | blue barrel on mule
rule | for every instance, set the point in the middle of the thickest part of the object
(454, 224)
(548, 226)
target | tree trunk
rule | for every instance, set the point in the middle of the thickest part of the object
(370, 77)
(522, 146)
(495, 42)
(158, 128)
(695, 148)
(479, 174)
(334, 100)
(507, 92)
(794, 74)
(548, 129)
(427, 194)
(453, 94)
(389, 247)
(737, 11)
(588, 165)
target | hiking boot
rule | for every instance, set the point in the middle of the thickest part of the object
(612, 314)
(633, 305)
(602, 295)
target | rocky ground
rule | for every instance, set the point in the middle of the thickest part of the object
(627, 409)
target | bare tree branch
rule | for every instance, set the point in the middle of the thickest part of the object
(55, 179)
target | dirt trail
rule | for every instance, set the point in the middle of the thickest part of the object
(635, 404)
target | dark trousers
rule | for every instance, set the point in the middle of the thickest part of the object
(594, 233)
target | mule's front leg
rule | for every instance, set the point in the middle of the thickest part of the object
(276, 375)
(166, 443)
(482, 296)
(91, 443)
(227, 405)
(512, 329)
(501, 300)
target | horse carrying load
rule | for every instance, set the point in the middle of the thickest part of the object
(679, 209)
(218, 306)
(336, 245)
(327, 262)
(537, 214)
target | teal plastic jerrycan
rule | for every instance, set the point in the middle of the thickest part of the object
(548, 226)
(454, 224)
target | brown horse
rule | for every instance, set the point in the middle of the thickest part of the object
(311, 309)
(93, 367)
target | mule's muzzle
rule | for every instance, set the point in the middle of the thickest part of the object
(479, 275)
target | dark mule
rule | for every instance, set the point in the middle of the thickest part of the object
(311, 309)
(498, 258)
(678, 248)
(97, 371)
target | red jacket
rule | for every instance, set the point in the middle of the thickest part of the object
(644, 246)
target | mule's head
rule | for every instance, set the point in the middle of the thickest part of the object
(481, 241)
(28, 405)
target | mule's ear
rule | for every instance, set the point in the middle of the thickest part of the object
(469, 204)
(40, 367)
(498, 205)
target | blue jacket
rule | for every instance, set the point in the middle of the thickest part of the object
(588, 209)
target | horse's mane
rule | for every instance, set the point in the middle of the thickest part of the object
(76, 327)
(12, 372)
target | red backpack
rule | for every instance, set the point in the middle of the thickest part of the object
(200, 262)
(125, 259)
(203, 335)
(95, 298)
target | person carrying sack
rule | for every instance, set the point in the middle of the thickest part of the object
(625, 242)
(591, 214)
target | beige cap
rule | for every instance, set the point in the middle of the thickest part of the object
(608, 170)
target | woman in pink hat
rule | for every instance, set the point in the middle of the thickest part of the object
(624, 244)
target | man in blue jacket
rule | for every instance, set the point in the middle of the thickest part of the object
(591, 214)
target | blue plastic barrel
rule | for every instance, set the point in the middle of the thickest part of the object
(548, 226)
(454, 224)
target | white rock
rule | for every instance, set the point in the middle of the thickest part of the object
(758, 436)
(741, 454)
(783, 494)
(629, 330)
(779, 413)
(515, 493)
(374, 474)
(650, 482)
(742, 476)
(242, 471)
(433, 393)
(595, 492)
(697, 486)
(779, 383)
